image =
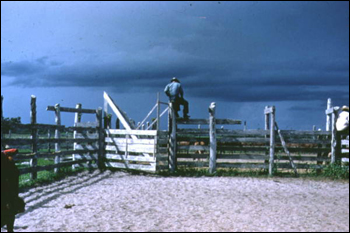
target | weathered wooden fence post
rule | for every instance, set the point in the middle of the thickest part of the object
(272, 112)
(212, 136)
(172, 138)
(267, 127)
(34, 161)
(328, 123)
(77, 120)
(101, 139)
(335, 136)
(57, 136)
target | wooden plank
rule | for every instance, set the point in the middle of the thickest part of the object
(121, 141)
(206, 122)
(81, 129)
(67, 140)
(86, 135)
(131, 132)
(242, 140)
(130, 158)
(72, 110)
(86, 157)
(240, 133)
(192, 156)
(90, 147)
(244, 157)
(228, 122)
(123, 119)
(345, 151)
(199, 164)
(304, 158)
(132, 148)
(224, 132)
(37, 126)
(345, 143)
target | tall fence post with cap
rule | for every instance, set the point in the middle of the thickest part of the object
(329, 117)
(272, 112)
(267, 128)
(212, 136)
(34, 161)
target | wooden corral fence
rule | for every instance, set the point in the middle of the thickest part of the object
(146, 147)
(80, 145)
(270, 148)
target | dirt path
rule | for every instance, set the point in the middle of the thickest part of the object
(121, 202)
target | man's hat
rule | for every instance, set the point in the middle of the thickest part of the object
(175, 80)
(345, 108)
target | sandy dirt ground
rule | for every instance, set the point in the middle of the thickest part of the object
(112, 202)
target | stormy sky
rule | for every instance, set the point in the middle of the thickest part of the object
(241, 55)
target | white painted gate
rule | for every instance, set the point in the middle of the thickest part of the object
(131, 148)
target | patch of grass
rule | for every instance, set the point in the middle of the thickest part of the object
(46, 177)
(336, 172)
(333, 172)
(204, 172)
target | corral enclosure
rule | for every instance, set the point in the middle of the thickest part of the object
(198, 143)
(271, 149)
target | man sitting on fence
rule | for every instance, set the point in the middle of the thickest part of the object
(176, 96)
(343, 121)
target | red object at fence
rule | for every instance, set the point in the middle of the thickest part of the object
(9, 153)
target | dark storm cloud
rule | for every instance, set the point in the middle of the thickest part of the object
(204, 79)
(233, 51)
